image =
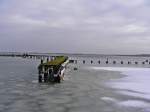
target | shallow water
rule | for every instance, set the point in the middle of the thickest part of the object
(84, 90)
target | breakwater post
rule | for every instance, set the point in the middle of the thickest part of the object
(114, 62)
(121, 62)
(83, 61)
(109, 61)
(129, 62)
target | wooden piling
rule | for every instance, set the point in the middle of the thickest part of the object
(47, 59)
(45, 77)
(40, 78)
(114, 62)
(121, 62)
(70, 61)
(41, 61)
(106, 62)
(129, 62)
(83, 61)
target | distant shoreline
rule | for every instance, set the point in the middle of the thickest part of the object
(67, 54)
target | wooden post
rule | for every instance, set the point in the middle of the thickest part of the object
(45, 77)
(47, 59)
(107, 61)
(91, 62)
(41, 61)
(83, 61)
(114, 62)
(121, 62)
(40, 78)
(99, 62)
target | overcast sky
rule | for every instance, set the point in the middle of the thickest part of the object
(75, 26)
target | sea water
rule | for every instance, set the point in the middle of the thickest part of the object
(93, 87)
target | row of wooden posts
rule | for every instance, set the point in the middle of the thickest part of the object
(92, 62)
(114, 62)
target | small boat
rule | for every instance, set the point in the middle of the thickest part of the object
(53, 71)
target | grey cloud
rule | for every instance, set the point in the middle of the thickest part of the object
(89, 26)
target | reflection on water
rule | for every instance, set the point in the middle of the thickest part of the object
(82, 91)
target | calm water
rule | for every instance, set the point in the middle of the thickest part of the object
(83, 90)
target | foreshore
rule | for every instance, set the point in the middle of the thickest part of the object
(94, 86)
(85, 89)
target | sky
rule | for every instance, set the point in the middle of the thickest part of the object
(75, 26)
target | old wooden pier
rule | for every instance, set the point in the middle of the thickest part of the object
(53, 70)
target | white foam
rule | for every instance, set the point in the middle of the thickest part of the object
(138, 80)
(108, 99)
(35, 81)
(135, 81)
(120, 69)
(136, 84)
(135, 94)
(134, 103)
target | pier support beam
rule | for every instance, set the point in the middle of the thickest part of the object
(41, 61)
(40, 78)
(45, 77)
(47, 59)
